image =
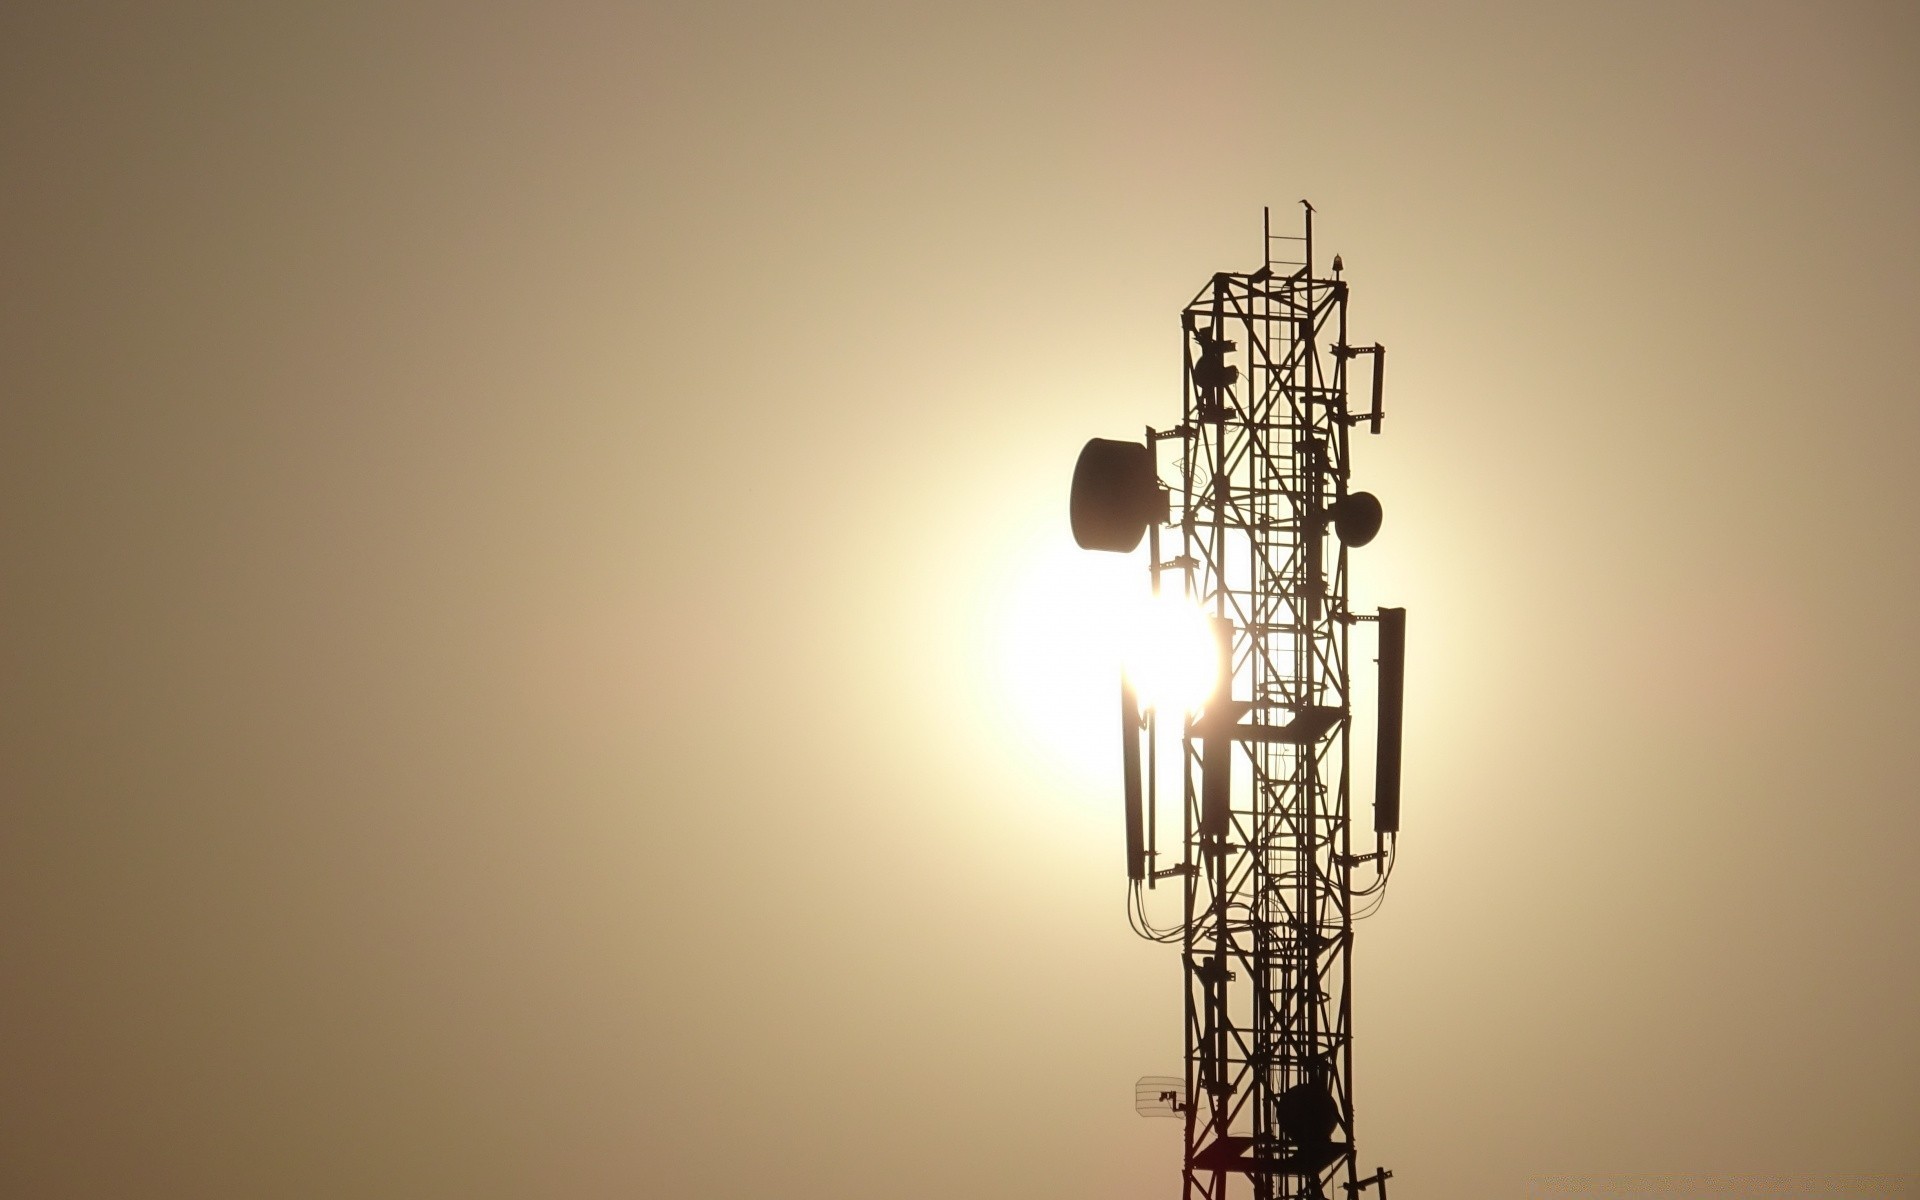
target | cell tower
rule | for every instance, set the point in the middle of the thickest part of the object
(1272, 883)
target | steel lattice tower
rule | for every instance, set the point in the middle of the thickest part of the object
(1263, 516)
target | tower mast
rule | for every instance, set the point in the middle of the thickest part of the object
(1265, 517)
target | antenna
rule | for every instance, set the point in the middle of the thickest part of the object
(1271, 887)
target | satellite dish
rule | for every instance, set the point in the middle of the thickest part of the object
(1307, 1117)
(1357, 518)
(1116, 495)
(1160, 1096)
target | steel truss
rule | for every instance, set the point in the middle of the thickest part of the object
(1267, 862)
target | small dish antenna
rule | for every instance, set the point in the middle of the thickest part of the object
(1160, 1096)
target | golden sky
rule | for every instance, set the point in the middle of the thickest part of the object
(541, 657)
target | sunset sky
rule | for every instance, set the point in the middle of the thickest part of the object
(541, 655)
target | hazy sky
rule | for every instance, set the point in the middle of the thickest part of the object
(542, 656)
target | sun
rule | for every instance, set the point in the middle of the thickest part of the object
(1067, 624)
(1169, 652)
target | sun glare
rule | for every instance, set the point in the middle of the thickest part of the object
(1069, 622)
(1169, 654)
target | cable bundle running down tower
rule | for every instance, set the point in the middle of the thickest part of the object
(1264, 518)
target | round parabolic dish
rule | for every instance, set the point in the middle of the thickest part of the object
(1307, 1115)
(1357, 518)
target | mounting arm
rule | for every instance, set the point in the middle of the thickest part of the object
(1379, 355)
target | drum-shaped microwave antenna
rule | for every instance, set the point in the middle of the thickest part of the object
(1116, 495)
(1356, 518)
